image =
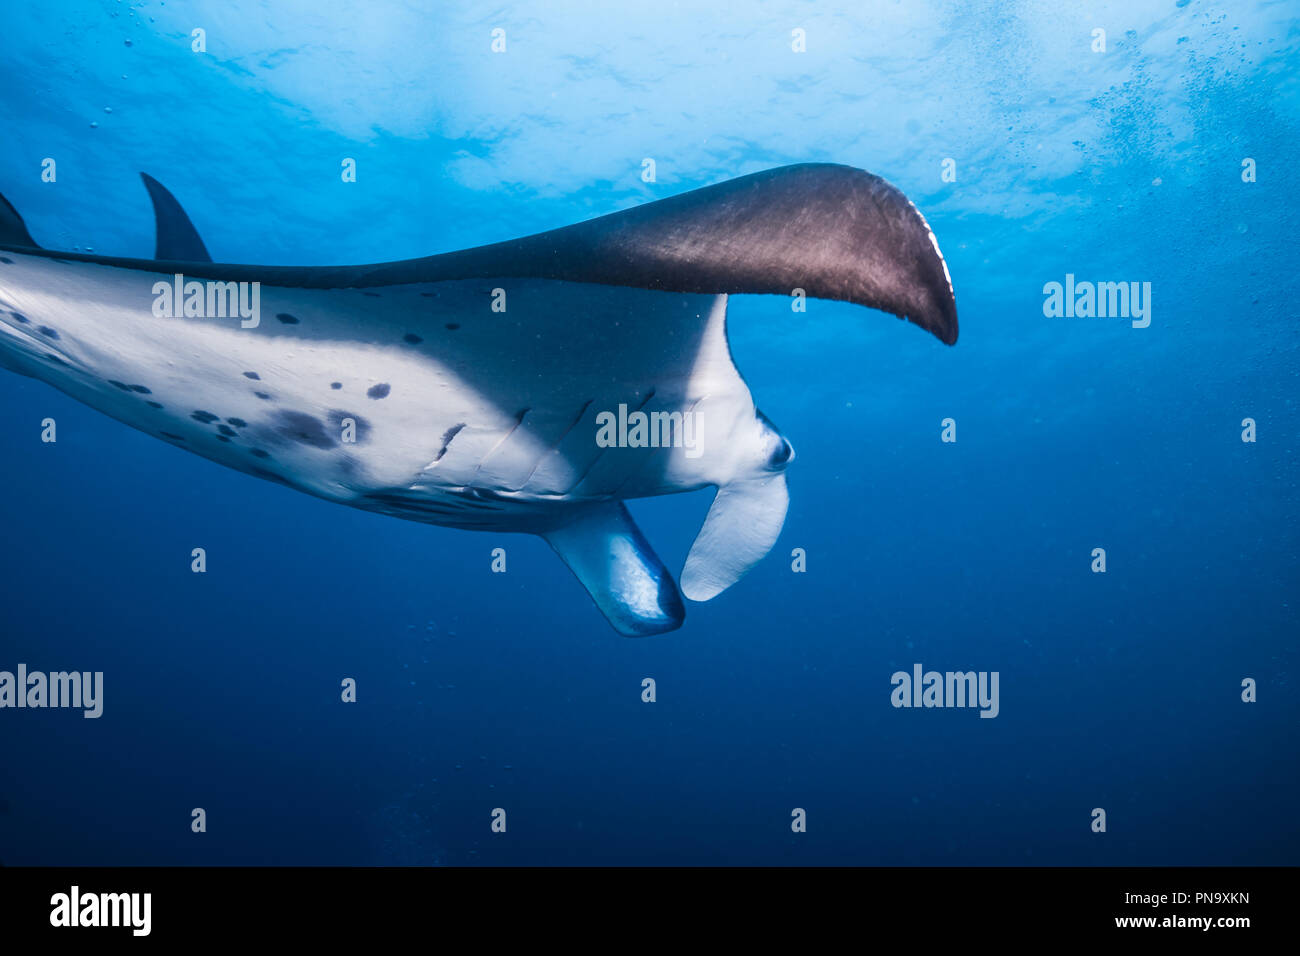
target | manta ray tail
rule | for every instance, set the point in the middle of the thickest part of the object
(607, 552)
(178, 240)
(13, 231)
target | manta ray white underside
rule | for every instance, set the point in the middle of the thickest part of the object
(398, 388)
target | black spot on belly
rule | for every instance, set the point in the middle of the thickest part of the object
(336, 385)
(222, 438)
(47, 331)
(122, 385)
(453, 326)
(22, 319)
(261, 454)
(226, 430)
(154, 404)
(141, 389)
(379, 391)
(171, 436)
(6, 261)
(303, 428)
(373, 295)
(362, 427)
(447, 436)
(206, 418)
(238, 422)
(253, 375)
(286, 318)
(263, 396)
(412, 338)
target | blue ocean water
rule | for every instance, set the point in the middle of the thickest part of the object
(478, 691)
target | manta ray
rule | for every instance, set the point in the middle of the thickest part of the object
(533, 385)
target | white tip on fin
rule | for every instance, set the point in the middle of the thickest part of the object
(741, 527)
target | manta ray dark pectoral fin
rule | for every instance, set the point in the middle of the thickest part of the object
(13, 231)
(177, 239)
(833, 232)
(606, 551)
(742, 525)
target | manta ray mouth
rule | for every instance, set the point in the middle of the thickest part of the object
(782, 456)
(782, 452)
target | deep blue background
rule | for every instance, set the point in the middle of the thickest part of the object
(479, 690)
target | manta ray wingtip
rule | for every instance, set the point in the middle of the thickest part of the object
(945, 328)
